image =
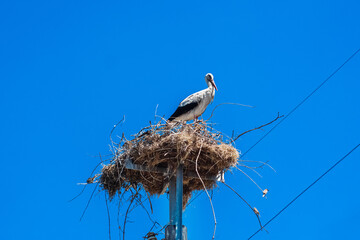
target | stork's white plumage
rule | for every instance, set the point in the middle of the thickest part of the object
(195, 104)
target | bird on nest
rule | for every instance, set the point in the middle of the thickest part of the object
(195, 105)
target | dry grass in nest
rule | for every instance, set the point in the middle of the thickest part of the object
(167, 146)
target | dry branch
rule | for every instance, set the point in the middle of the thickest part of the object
(264, 125)
(207, 193)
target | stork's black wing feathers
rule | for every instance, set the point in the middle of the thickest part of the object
(182, 110)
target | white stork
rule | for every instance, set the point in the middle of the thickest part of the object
(195, 104)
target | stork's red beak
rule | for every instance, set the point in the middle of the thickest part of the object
(213, 83)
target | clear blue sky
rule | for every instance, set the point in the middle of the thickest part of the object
(70, 70)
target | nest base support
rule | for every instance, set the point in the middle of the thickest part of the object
(175, 229)
(170, 232)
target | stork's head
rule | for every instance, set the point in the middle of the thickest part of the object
(209, 78)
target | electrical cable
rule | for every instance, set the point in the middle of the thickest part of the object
(312, 184)
(303, 101)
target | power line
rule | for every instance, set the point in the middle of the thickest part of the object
(312, 184)
(304, 100)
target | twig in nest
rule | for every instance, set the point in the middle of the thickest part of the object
(113, 129)
(212, 207)
(162, 118)
(278, 116)
(157, 105)
(238, 104)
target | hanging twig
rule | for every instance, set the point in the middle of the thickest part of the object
(108, 212)
(262, 164)
(193, 199)
(238, 195)
(212, 207)
(249, 178)
(87, 205)
(238, 104)
(148, 214)
(252, 169)
(161, 230)
(278, 116)
(118, 214)
(151, 233)
(254, 210)
(86, 184)
(133, 197)
(151, 207)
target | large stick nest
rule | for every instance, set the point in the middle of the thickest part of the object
(197, 146)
